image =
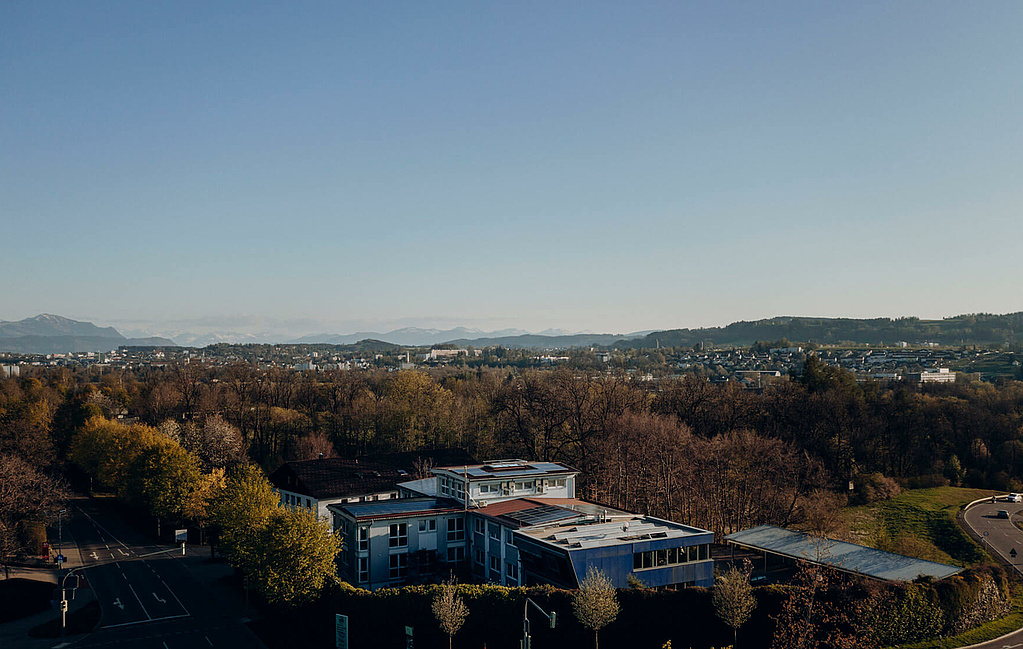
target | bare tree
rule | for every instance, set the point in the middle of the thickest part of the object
(733, 600)
(450, 610)
(595, 604)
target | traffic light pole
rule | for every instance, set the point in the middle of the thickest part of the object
(526, 639)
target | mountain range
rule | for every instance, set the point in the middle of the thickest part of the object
(54, 334)
(49, 334)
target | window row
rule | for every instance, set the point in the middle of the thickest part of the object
(669, 557)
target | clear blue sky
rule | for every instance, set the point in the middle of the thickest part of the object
(584, 165)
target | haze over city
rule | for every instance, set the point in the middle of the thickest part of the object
(609, 168)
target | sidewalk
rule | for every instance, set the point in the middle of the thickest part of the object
(14, 635)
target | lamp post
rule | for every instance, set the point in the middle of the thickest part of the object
(526, 639)
(60, 532)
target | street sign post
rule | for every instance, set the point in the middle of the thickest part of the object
(180, 536)
(341, 631)
(408, 637)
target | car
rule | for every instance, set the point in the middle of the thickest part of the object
(1016, 498)
(1002, 514)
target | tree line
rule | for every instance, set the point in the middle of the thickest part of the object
(716, 455)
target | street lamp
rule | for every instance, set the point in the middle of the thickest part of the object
(60, 533)
(526, 639)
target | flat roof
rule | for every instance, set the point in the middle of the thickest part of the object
(397, 508)
(508, 470)
(840, 555)
(621, 529)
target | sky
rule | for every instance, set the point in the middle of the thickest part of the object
(343, 166)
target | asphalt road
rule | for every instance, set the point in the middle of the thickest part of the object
(999, 535)
(147, 594)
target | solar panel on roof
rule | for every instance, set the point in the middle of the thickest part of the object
(541, 514)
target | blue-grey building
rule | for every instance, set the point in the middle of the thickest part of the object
(655, 551)
(514, 523)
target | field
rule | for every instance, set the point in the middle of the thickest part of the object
(919, 523)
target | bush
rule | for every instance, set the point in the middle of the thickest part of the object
(872, 487)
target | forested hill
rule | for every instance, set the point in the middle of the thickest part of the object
(973, 329)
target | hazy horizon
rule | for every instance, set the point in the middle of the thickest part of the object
(612, 168)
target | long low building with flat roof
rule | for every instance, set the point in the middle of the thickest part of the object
(838, 555)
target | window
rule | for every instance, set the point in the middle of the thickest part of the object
(398, 566)
(479, 526)
(490, 488)
(397, 535)
(308, 504)
(363, 570)
(524, 485)
(495, 564)
(428, 525)
(495, 531)
(669, 557)
(363, 539)
(456, 529)
(509, 537)
(557, 483)
(456, 554)
(479, 556)
(512, 570)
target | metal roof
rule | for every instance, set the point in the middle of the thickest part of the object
(398, 508)
(509, 470)
(633, 529)
(841, 555)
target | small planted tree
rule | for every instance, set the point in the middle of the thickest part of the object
(733, 600)
(595, 604)
(450, 610)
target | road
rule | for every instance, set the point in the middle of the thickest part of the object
(999, 535)
(147, 593)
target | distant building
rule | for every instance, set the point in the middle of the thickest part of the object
(938, 375)
(10, 370)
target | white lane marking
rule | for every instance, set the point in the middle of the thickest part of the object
(173, 594)
(165, 645)
(162, 601)
(94, 556)
(208, 640)
(123, 552)
(137, 622)
(148, 616)
(106, 546)
(118, 604)
(104, 530)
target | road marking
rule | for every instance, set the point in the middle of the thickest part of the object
(137, 622)
(165, 645)
(208, 640)
(162, 601)
(94, 555)
(118, 604)
(150, 617)
(123, 552)
(173, 594)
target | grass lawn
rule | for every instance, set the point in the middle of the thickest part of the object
(919, 523)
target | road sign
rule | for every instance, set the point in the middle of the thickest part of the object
(60, 558)
(408, 637)
(341, 631)
(180, 536)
